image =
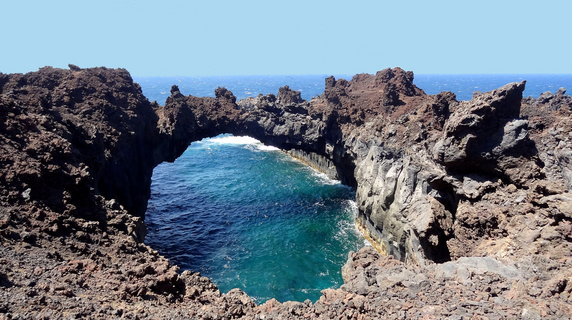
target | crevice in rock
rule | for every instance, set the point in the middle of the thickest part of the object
(4, 282)
(435, 245)
(445, 194)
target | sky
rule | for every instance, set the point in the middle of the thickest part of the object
(266, 37)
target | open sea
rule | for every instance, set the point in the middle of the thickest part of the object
(248, 216)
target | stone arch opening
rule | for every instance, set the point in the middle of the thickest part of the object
(248, 215)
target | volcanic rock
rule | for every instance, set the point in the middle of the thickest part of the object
(468, 203)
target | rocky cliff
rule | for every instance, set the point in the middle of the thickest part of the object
(471, 199)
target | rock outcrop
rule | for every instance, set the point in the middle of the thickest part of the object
(471, 199)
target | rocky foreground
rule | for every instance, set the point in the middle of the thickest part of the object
(471, 200)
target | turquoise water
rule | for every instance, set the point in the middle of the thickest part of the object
(251, 217)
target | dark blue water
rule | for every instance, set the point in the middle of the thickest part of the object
(247, 86)
(312, 85)
(248, 216)
(464, 85)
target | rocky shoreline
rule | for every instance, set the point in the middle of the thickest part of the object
(471, 199)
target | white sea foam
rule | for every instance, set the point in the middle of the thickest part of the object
(352, 208)
(247, 141)
(234, 140)
(264, 147)
(348, 226)
(323, 178)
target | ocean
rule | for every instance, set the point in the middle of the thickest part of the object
(248, 216)
(157, 88)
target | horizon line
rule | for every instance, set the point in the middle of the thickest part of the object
(339, 74)
(346, 74)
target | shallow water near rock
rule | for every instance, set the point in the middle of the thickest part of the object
(249, 216)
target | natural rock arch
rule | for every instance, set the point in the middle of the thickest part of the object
(79, 147)
(407, 190)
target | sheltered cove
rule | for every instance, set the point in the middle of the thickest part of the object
(482, 187)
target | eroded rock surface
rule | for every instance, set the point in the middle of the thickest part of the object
(471, 199)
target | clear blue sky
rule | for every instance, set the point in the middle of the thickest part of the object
(200, 38)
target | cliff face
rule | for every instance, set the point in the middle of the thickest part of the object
(70, 135)
(418, 162)
(436, 180)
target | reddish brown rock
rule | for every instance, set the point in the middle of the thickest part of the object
(481, 187)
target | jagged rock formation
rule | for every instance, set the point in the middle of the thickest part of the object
(482, 187)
